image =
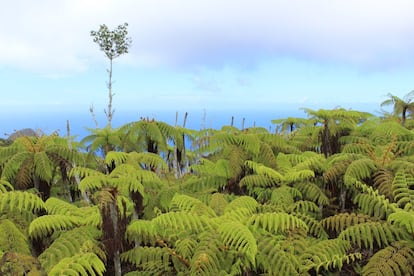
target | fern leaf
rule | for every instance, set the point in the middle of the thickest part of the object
(313, 192)
(56, 206)
(142, 232)
(403, 219)
(5, 186)
(151, 259)
(218, 203)
(68, 244)
(277, 222)
(12, 239)
(191, 204)
(45, 225)
(395, 259)
(183, 221)
(207, 257)
(401, 191)
(368, 233)
(81, 264)
(21, 201)
(274, 260)
(238, 237)
(342, 221)
(315, 227)
(242, 202)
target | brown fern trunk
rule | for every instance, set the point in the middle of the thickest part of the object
(114, 230)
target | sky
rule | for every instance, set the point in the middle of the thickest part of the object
(209, 56)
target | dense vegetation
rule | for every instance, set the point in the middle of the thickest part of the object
(327, 195)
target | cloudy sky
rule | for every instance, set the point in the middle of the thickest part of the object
(206, 55)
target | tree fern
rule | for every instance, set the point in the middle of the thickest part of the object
(341, 221)
(208, 256)
(369, 234)
(242, 202)
(182, 221)
(218, 203)
(21, 201)
(45, 225)
(191, 204)
(84, 264)
(69, 244)
(403, 219)
(402, 194)
(13, 239)
(395, 259)
(313, 192)
(315, 227)
(238, 237)
(274, 260)
(276, 222)
(155, 260)
(328, 254)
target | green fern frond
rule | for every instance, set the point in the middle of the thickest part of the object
(277, 222)
(383, 182)
(218, 203)
(43, 167)
(339, 222)
(208, 256)
(373, 204)
(242, 202)
(148, 159)
(151, 259)
(12, 239)
(315, 227)
(94, 182)
(182, 221)
(313, 192)
(274, 260)
(403, 219)
(359, 169)
(256, 180)
(116, 156)
(5, 186)
(204, 183)
(68, 244)
(368, 233)
(305, 207)
(91, 216)
(142, 232)
(45, 225)
(21, 201)
(81, 264)
(282, 197)
(261, 169)
(237, 236)
(186, 247)
(327, 254)
(191, 204)
(56, 206)
(395, 259)
(337, 262)
(83, 172)
(402, 194)
(299, 176)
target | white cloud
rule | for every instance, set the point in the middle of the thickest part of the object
(52, 37)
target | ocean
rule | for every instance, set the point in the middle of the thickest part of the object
(79, 122)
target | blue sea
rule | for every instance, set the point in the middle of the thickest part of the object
(79, 122)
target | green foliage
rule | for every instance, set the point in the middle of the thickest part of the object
(395, 259)
(13, 239)
(47, 224)
(21, 201)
